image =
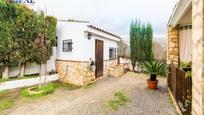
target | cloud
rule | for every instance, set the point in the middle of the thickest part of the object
(113, 15)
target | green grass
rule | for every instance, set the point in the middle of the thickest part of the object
(6, 104)
(67, 86)
(15, 78)
(89, 85)
(119, 100)
(6, 100)
(47, 89)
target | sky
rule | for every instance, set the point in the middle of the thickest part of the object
(113, 15)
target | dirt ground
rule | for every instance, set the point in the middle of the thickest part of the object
(90, 101)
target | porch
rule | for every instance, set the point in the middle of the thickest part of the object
(185, 43)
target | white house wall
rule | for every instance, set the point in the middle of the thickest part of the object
(83, 49)
(107, 43)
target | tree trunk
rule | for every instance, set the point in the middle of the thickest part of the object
(22, 70)
(133, 67)
(5, 74)
(45, 70)
(42, 74)
(42, 69)
(118, 59)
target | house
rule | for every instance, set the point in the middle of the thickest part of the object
(185, 43)
(85, 52)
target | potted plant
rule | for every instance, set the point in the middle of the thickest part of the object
(154, 68)
(186, 66)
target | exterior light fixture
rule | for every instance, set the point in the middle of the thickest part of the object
(88, 35)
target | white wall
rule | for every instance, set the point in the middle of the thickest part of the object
(106, 45)
(83, 49)
(34, 68)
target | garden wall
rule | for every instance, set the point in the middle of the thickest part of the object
(33, 68)
(79, 72)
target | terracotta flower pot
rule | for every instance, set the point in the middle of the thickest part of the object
(152, 84)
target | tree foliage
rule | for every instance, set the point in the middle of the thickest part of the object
(45, 39)
(141, 36)
(27, 29)
(25, 35)
(7, 36)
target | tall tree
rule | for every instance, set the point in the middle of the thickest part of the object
(27, 24)
(140, 43)
(45, 41)
(7, 38)
(149, 42)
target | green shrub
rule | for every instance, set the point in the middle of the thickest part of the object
(185, 65)
(5, 104)
(44, 90)
(3, 80)
(89, 85)
(16, 78)
(50, 88)
(67, 86)
(155, 67)
(119, 100)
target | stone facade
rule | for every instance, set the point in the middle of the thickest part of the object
(79, 73)
(113, 69)
(74, 72)
(198, 57)
(173, 45)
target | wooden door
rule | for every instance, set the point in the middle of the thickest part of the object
(99, 58)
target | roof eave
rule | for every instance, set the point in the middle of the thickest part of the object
(179, 11)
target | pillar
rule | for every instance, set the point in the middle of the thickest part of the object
(198, 57)
(173, 45)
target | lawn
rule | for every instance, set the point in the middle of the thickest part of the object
(12, 98)
(16, 78)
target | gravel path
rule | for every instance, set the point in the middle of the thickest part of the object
(90, 101)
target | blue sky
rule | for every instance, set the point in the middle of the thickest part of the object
(113, 15)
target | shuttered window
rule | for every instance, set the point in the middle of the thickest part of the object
(112, 53)
(67, 45)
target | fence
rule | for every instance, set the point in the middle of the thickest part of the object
(181, 88)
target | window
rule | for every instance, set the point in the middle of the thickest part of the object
(112, 53)
(67, 45)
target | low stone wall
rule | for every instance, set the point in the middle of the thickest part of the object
(113, 69)
(116, 71)
(74, 72)
(79, 73)
(108, 64)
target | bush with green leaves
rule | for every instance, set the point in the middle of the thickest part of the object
(119, 100)
(44, 90)
(26, 36)
(155, 68)
(184, 65)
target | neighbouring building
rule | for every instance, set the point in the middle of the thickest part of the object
(85, 52)
(186, 43)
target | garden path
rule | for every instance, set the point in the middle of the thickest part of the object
(90, 101)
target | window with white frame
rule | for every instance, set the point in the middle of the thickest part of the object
(67, 45)
(112, 53)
